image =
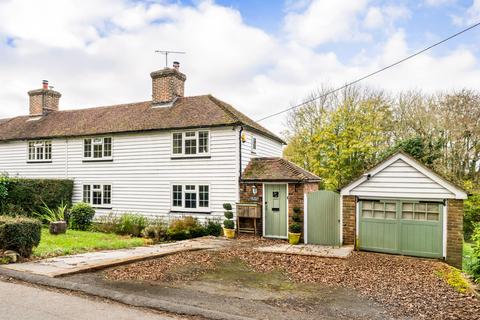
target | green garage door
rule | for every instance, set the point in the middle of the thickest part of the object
(404, 227)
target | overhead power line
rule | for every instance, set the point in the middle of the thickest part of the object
(372, 74)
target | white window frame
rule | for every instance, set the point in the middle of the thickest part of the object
(253, 144)
(95, 141)
(37, 144)
(197, 139)
(102, 190)
(197, 185)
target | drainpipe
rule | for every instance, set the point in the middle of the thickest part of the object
(240, 153)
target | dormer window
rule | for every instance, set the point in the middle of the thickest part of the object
(99, 148)
(190, 144)
(40, 151)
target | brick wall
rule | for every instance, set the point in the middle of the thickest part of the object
(167, 84)
(455, 232)
(43, 101)
(349, 217)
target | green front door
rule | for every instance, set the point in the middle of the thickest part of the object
(406, 227)
(276, 210)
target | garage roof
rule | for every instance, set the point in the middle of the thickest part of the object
(402, 176)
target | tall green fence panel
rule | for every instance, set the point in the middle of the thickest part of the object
(323, 218)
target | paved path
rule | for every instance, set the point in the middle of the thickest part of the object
(60, 266)
(21, 302)
(309, 250)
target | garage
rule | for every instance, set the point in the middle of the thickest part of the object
(402, 207)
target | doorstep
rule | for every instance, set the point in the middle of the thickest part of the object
(309, 250)
(66, 265)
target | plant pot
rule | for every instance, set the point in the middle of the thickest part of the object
(58, 227)
(294, 238)
(229, 233)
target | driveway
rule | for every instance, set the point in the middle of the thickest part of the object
(22, 302)
(240, 281)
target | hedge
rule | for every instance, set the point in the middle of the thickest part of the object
(19, 234)
(25, 196)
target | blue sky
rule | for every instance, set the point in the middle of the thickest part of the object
(260, 56)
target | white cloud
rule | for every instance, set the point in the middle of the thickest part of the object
(326, 21)
(471, 16)
(374, 18)
(104, 56)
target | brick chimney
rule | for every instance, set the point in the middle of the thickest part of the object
(43, 101)
(167, 84)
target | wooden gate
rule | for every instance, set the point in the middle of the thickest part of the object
(323, 218)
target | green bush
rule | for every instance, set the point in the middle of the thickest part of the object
(156, 230)
(19, 234)
(471, 215)
(107, 224)
(185, 228)
(295, 227)
(48, 215)
(81, 216)
(30, 195)
(131, 224)
(228, 223)
(475, 262)
(213, 228)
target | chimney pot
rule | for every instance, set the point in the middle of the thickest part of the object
(176, 65)
(45, 84)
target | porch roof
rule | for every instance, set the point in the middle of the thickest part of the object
(276, 169)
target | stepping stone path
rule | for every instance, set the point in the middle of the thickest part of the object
(309, 250)
(65, 265)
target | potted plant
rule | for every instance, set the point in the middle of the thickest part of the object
(228, 224)
(295, 228)
(54, 217)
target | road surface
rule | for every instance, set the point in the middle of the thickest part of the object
(22, 302)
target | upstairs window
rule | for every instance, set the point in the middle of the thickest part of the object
(40, 150)
(190, 197)
(190, 143)
(254, 144)
(98, 195)
(97, 148)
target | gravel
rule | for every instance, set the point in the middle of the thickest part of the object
(405, 286)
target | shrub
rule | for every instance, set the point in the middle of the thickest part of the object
(106, 224)
(156, 230)
(471, 215)
(213, 228)
(185, 228)
(132, 224)
(295, 227)
(19, 234)
(48, 215)
(475, 263)
(81, 216)
(228, 223)
(32, 194)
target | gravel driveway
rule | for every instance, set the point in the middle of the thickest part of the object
(260, 285)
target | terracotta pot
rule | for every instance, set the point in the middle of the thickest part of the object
(294, 238)
(58, 227)
(229, 233)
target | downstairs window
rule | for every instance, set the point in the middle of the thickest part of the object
(98, 195)
(193, 197)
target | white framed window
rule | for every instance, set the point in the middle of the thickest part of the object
(98, 195)
(99, 148)
(190, 197)
(254, 144)
(40, 150)
(190, 143)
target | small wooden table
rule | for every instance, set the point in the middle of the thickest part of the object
(248, 211)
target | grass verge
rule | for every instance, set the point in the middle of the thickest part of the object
(75, 241)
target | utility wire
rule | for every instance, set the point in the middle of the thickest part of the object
(373, 73)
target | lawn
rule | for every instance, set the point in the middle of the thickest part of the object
(81, 241)
(467, 255)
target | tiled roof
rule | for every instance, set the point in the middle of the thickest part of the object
(276, 169)
(187, 112)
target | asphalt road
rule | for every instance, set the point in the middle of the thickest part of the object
(19, 302)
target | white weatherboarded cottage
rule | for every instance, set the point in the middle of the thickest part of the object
(172, 155)
(401, 206)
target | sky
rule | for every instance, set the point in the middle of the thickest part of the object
(259, 56)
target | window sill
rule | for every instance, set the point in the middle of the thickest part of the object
(190, 157)
(39, 161)
(102, 207)
(97, 160)
(190, 211)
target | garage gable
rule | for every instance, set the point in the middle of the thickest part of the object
(401, 176)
